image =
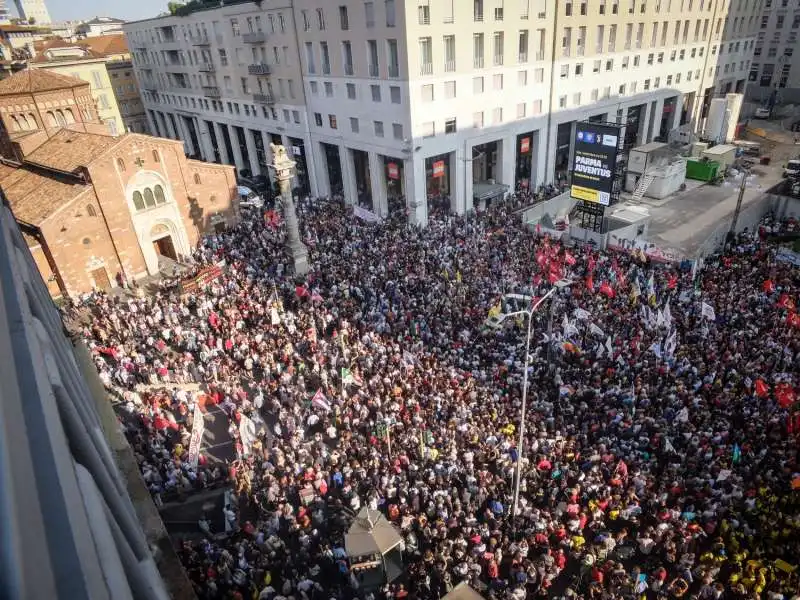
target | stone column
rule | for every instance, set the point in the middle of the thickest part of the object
(659, 112)
(223, 150)
(323, 186)
(416, 196)
(508, 157)
(237, 152)
(296, 251)
(168, 125)
(348, 175)
(255, 168)
(206, 149)
(644, 121)
(377, 176)
(459, 168)
(151, 122)
(313, 166)
(677, 112)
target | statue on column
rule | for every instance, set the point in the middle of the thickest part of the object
(283, 166)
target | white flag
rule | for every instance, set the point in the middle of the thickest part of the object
(708, 311)
(668, 316)
(656, 349)
(609, 347)
(581, 314)
(195, 442)
(595, 330)
(660, 322)
(274, 316)
(247, 433)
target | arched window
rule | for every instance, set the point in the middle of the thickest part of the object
(138, 201)
(155, 155)
(60, 117)
(24, 122)
(160, 199)
(148, 198)
(91, 211)
(15, 123)
(197, 179)
(120, 164)
(70, 116)
(32, 119)
(51, 119)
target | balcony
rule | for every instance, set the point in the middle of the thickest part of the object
(199, 39)
(264, 98)
(540, 55)
(255, 37)
(477, 62)
(394, 71)
(426, 69)
(206, 68)
(479, 17)
(373, 71)
(258, 69)
(449, 66)
(211, 91)
(522, 57)
(498, 60)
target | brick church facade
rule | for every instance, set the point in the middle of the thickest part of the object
(98, 209)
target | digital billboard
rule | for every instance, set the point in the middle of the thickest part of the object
(594, 167)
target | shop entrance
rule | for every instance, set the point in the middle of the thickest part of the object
(164, 247)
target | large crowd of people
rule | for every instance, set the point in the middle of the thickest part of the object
(661, 452)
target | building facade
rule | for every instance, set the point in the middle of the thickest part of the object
(390, 99)
(33, 11)
(99, 26)
(126, 93)
(774, 76)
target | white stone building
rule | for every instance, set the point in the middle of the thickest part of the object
(421, 97)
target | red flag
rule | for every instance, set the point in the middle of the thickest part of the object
(672, 282)
(569, 259)
(786, 302)
(607, 290)
(793, 319)
(540, 258)
(762, 390)
(590, 283)
(301, 291)
(552, 277)
(768, 286)
(537, 279)
(592, 263)
(785, 395)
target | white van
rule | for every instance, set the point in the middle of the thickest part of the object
(249, 199)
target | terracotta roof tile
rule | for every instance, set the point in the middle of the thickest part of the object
(68, 150)
(33, 197)
(37, 80)
(96, 47)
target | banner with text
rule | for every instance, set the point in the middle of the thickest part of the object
(594, 167)
(198, 428)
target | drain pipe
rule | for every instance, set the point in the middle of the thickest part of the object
(547, 158)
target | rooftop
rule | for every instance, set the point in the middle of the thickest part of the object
(95, 47)
(31, 81)
(34, 197)
(68, 150)
(104, 21)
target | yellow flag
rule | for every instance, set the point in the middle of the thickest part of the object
(495, 310)
(458, 276)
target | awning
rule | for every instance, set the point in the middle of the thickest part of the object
(370, 533)
(485, 190)
(244, 191)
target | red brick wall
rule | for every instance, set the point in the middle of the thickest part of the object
(44, 268)
(65, 232)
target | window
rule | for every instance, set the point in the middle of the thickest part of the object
(326, 58)
(477, 85)
(121, 164)
(378, 126)
(149, 199)
(312, 69)
(351, 91)
(328, 89)
(306, 22)
(344, 22)
(223, 57)
(596, 66)
(245, 85)
(450, 125)
(392, 58)
(537, 107)
(424, 14)
(235, 27)
(477, 120)
(562, 102)
(538, 76)
(369, 14)
(397, 131)
(499, 48)
(427, 93)
(522, 78)
(390, 14)
(576, 99)
(332, 121)
(347, 52)
(497, 81)
(314, 88)
(497, 116)
(160, 199)
(376, 93)
(354, 124)
(564, 71)
(425, 56)
(320, 19)
(428, 129)
(318, 119)
(449, 89)
(197, 179)
(521, 110)
(394, 92)
(449, 53)
(156, 156)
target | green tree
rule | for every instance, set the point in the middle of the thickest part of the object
(173, 7)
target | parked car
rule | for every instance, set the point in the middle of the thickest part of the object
(792, 169)
(762, 113)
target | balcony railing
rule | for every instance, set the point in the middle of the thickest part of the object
(394, 71)
(206, 68)
(522, 57)
(478, 17)
(211, 91)
(373, 71)
(477, 62)
(426, 69)
(449, 66)
(498, 60)
(258, 69)
(540, 55)
(200, 39)
(255, 37)
(580, 50)
(348, 69)
(264, 98)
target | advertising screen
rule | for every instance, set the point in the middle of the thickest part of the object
(593, 170)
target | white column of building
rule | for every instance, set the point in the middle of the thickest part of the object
(323, 185)
(267, 140)
(185, 135)
(206, 149)
(252, 154)
(237, 152)
(508, 157)
(377, 181)
(168, 124)
(657, 120)
(151, 122)
(677, 112)
(348, 175)
(644, 124)
(223, 149)
(313, 167)
(458, 172)
(467, 176)
(416, 197)
(539, 146)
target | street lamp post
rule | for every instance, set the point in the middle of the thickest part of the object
(296, 250)
(521, 443)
